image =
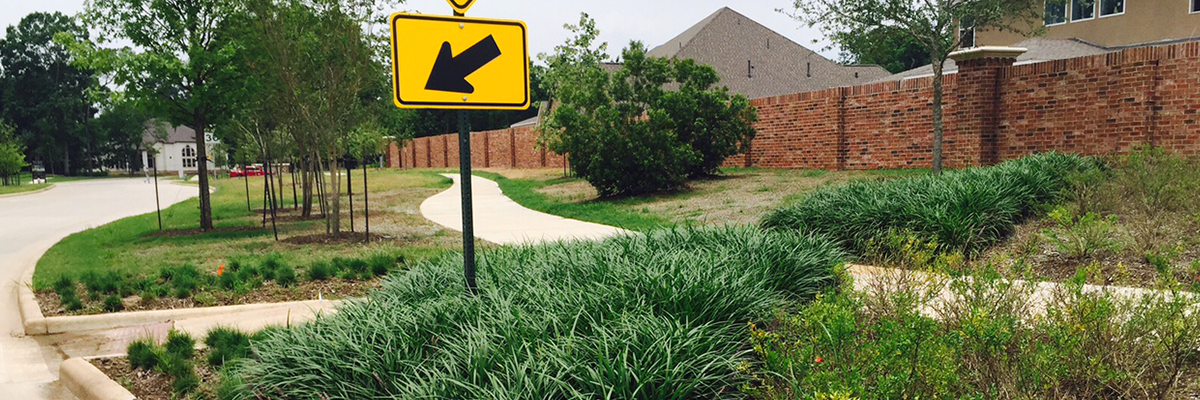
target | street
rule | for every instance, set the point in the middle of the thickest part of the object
(31, 224)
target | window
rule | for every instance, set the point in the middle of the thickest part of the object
(1196, 6)
(1083, 10)
(1056, 12)
(1112, 7)
(189, 157)
(966, 38)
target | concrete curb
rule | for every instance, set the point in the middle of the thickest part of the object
(52, 185)
(54, 325)
(89, 383)
(31, 312)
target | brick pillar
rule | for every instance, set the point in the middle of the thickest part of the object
(974, 122)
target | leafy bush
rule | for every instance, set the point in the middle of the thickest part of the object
(964, 210)
(269, 266)
(628, 135)
(319, 271)
(653, 316)
(356, 269)
(226, 344)
(183, 279)
(285, 275)
(112, 303)
(143, 354)
(67, 296)
(985, 344)
(180, 344)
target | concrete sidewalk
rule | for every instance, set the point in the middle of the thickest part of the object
(498, 219)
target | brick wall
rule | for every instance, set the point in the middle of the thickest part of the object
(503, 148)
(994, 111)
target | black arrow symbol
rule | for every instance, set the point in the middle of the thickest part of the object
(450, 72)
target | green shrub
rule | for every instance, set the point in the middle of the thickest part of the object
(627, 135)
(356, 269)
(285, 275)
(659, 315)
(380, 264)
(112, 303)
(64, 283)
(269, 266)
(143, 354)
(226, 344)
(180, 344)
(183, 279)
(963, 211)
(185, 384)
(319, 271)
(70, 301)
(229, 280)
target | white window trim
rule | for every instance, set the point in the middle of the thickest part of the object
(1066, 14)
(1100, 13)
(1071, 11)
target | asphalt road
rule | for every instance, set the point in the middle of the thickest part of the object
(31, 224)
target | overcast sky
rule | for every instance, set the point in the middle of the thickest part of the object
(619, 21)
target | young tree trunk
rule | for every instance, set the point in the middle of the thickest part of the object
(335, 220)
(206, 223)
(938, 126)
(307, 188)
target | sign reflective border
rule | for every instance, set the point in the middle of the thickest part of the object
(461, 6)
(459, 63)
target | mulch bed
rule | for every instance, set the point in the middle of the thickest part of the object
(344, 237)
(270, 292)
(197, 231)
(155, 385)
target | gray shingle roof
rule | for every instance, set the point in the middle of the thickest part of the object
(1040, 49)
(755, 61)
(161, 132)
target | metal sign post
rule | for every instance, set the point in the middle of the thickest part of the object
(463, 64)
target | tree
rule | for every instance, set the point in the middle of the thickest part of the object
(184, 73)
(886, 46)
(12, 154)
(626, 132)
(46, 96)
(934, 24)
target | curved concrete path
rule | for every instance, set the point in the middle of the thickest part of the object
(30, 225)
(500, 220)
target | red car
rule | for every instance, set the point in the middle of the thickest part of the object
(251, 170)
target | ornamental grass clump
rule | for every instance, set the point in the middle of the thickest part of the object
(655, 316)
(965, 210)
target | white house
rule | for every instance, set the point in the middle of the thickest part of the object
(175, 148)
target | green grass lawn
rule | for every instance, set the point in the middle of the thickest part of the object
(134, 245)
(738, 196)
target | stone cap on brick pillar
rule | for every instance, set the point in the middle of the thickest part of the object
(1002, 54)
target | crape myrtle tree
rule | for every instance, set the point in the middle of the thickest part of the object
(933, 24)
(183, 72)
(649, 126)
(319, 73)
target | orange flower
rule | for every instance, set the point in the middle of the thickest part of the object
(221, 270)
(819, 360)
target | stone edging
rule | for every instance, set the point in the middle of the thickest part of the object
(52, 185)
(89, 383)
(37, 324)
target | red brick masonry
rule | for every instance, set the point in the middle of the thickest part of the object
(994, 111)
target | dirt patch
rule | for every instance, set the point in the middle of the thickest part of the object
(155, 385)
(269, 292)
(342, 238)
(192, 232)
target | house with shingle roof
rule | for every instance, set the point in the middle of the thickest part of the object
(173, 148)
(755, 61)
